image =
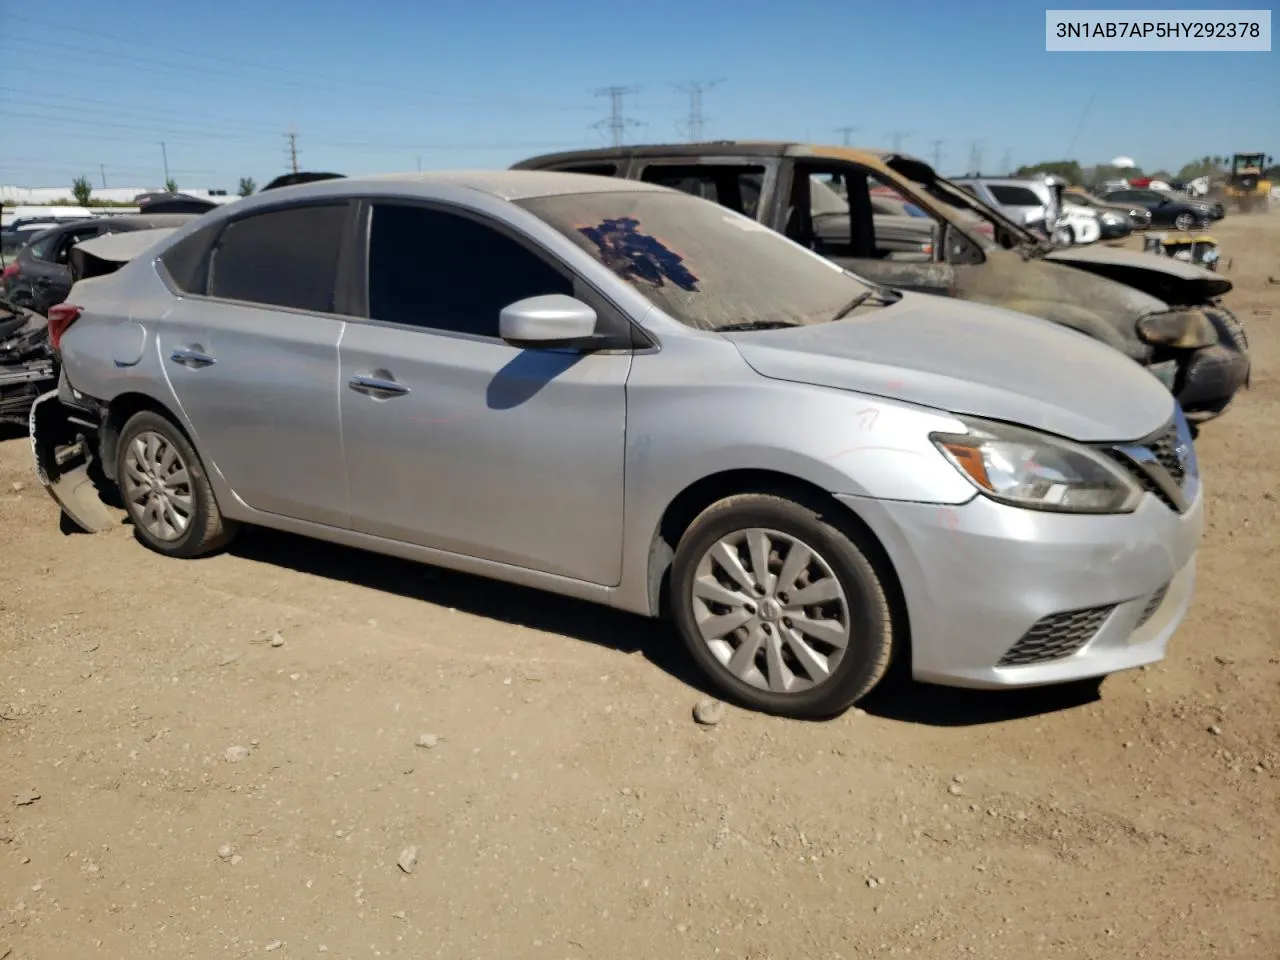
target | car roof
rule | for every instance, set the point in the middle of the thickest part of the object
(503, 184)
(868, 156)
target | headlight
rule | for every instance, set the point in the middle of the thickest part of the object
(1029, 469)
(1111, 219)
(1184, 329)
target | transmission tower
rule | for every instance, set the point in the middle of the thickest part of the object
(293, 150)
(1006, 163)
(937, 155)
(617, 123)
(975, 158)
(846, 134)
(897, 141)
(697, 121)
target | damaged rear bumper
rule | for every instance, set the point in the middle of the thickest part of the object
(64, 447)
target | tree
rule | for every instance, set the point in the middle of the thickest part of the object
(1068, 170)
(1204, 167)
(81, 188)
(247, 186)
(171, 185)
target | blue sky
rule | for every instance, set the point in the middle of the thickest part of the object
(384, 85)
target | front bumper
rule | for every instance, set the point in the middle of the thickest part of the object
(982, 580)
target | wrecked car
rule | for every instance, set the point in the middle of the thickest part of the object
(1162, 313)
(28, 362)
(615, 391)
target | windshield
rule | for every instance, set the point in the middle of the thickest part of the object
(699, 262)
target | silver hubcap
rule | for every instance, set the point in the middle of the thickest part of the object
(157, 486)
(770, 610)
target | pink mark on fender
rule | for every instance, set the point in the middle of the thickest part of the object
(894, 384)
(867, 417)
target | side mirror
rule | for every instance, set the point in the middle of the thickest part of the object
(553, 320)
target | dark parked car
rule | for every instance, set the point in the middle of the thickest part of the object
(41, 274)
(1167, 210)
(1159, 312)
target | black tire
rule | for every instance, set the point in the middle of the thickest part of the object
(206, 529)
(1186, 222)
(871, 634)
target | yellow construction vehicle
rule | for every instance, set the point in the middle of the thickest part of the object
(1246, 185)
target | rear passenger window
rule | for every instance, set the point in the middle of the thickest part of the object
(734, 186)
(187, 261)
(445, 271)
(283, 258)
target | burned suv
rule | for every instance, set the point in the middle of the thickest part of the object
(1160, 312)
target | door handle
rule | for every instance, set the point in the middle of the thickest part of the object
(189, 356)
(373, 385)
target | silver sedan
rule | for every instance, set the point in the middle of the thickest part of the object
(622, 393)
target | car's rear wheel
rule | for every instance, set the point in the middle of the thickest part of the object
(781, 606)
(165, 490)
(1185, 221)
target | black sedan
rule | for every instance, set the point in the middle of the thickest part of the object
(41, 275)
(1169, 211)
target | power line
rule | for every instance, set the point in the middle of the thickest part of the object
(307, 79)
(695, 89)
(616, 122)
(846, 134)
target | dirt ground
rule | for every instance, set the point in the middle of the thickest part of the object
(173, 784)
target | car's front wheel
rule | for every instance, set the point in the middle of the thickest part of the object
(1185, 221)
(781, 606)
(165, 489)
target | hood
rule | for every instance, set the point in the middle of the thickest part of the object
(1174, 281)
(969, 358)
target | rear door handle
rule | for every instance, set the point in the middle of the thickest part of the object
(191, 357)
(377, 385)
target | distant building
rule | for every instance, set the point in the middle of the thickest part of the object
(40, 196)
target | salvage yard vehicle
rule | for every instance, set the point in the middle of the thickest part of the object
(615, 391)
(1159, 312)
(1168, 210)
(1139, 216)
(41, 274)
(27, 362)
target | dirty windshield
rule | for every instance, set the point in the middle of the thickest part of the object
(704, 265)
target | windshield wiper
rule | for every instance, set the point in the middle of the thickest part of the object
(883, 295)
(757, 325)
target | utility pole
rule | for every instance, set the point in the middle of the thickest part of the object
(293, 150)
(695, 89)
(1006, 162)
(616, 121)
(937, 155)
(102, 168)
(165, 154)
(975, 157)
(846, 134)
(419, 164)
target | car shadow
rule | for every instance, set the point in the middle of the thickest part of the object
(505, 602)
(897, 698)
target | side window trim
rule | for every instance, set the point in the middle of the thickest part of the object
(612, 316)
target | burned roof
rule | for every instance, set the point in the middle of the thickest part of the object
(726, 148)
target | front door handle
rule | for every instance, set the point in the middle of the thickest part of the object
(377, 385)
(192, 357)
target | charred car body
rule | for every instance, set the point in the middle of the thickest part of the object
(1161, 313)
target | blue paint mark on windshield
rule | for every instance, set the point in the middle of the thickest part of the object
(633, 255)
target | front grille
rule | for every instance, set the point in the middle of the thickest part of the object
(1152, 606)
(1163, 446)
(1056, 636)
